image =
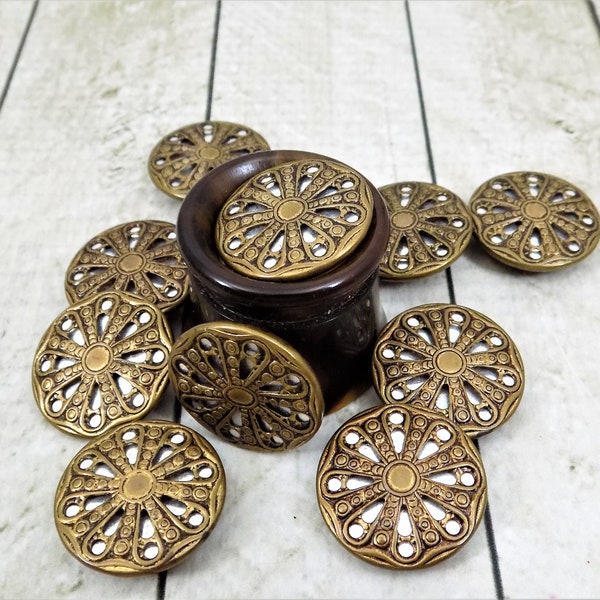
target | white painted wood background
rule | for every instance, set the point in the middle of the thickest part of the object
(90, 87)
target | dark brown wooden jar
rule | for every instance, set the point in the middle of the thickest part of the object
(331, 318)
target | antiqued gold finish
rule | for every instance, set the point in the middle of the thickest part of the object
(101, 362)
(401, 487)
(535, 222)
(453, 360)
(294, 220)
(184, 156)
(430, 228)
(247, 386)
(139, 498)
(141, 258)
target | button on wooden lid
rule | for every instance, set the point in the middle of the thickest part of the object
(429, 229)
(453, 360)
(141, 258)
(534, 222)
(185, 155)
(401, 487)
(139, 498)
(102, 362)
(294, 220)
(247, 386)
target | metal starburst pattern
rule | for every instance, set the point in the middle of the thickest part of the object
(294, 220)
(185, 155)
(247, 386)
(430, 228)
(139, 498)
(102, 362)
(453, 360)
(401, 487)
(535, 222)
(141, 258)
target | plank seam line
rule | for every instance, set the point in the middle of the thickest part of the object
(18, 53)
(489, 527)
(594, 15)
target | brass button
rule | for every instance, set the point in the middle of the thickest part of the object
(102, 362)
(294, 220)
(429, 229)
(452, 360)
(139, 498)
(247, 386)
(141, 258)
(185, 155)
(534, 222)
(401, 487)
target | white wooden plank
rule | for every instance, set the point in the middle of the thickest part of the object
(97, 85)
(514, 86)
(334, 78)
(14, 15)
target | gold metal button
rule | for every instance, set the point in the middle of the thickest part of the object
(453, 360)
(141, 258)
(247, 386)
(534, 222)
(184, 156)
(401, 487)
(139, 498)
(102, 362)
(294, 220)
(430, 228)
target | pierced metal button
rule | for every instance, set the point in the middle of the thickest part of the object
(246, 385)
(139, 498)
(534, 222)
(294, 220)
(453, 360)
(401, 487)
(429, 228)
(141, 258)
(185, 155)
(102, 362)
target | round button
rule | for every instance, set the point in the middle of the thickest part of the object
(401, 487)
(429, 229)
(534, 222)
(139, 498)
(141, 258)
(452, 360)
(294, 220)
(246, 386)
(185, 155)
(102, 362)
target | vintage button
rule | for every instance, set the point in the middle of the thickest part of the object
(534, 222)
(141, 258)
(139, 498)
(102, 362)
(401, 487)
(247, 386)
(453, 360)
(185, 155)
(429, 229)
(294, 220)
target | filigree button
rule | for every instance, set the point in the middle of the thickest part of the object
(139, 498)
(141, 258)
(185, 155)
(294, 220)
(429, 229)
(533, 221)
(453, 360)
(102, 362)
(246, 385)
(401, 487)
